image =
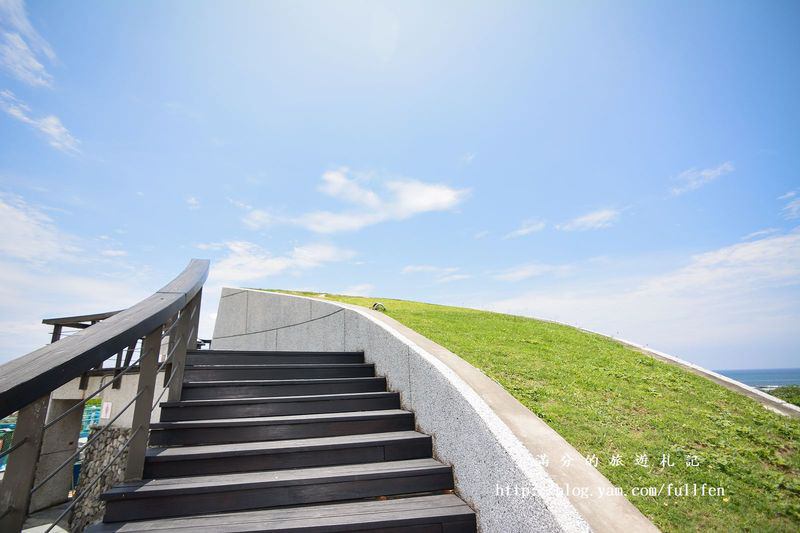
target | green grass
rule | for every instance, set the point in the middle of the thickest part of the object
(788, 393)
(606, 399)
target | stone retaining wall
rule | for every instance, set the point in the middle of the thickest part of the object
(90, 509)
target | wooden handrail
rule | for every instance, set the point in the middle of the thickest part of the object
(31, 376)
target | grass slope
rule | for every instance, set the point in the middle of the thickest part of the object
(607, 399)
(788, 393)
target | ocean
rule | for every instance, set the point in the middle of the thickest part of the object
(764, 377)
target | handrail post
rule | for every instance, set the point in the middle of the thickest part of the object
(191, 341)
(18, 480)
(56, 333)
(186, 333)
(148, 366)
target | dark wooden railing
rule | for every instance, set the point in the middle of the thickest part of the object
(26, 383)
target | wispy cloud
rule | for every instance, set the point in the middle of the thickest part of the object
(21, 46)
(247, 261)
(467, 158)
(30, 235)
(481, 234)
(49, 126)
(48, 271)
(257, 219)
(526, 228)
(602, 218)
(453, 277)
(531, 270)
(767, 263)
(363, 289)
(345, 185)
(741, 298)
(694, 178)
(193, 202)
(760, 233)
(440, 274)
(414, 269)
(114, 253)
(402, 199)
(29, 293)
(791, 210)
(399, 200)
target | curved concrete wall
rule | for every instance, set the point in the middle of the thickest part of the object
(489, 438)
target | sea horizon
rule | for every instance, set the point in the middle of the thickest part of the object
(764, 377)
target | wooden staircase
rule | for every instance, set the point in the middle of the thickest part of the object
(286, 441)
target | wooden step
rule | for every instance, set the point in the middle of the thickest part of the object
(228, 357)
(279, 427)
(278, 455)
(420, 514)
(250, 388)
(281, 371)
(185, 496)
(278, 405)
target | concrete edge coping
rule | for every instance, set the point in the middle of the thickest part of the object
(604, 510)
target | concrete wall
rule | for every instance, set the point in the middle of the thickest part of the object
(488, 437)
(118, 398)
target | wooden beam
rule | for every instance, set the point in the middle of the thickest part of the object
(69, 320)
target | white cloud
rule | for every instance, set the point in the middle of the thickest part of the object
(29, 234)
(327, 222)
(481, 234)
(760, 233)
(602, 218)
(114, 253)
(193, 202)
(468, 158)
(693, 178)
(405, 198)
(21, 46)
(336, 183)
(50, 126)
(453, 277)
(210, 246)
(441, 274)
(527, 227)
(241, 205)
(767, 263)
(248, 262)
(363, 289)
(721, 308)
(791, 210)
(530, 270)
(30, 293)
(412, 197)
(257, 219)
(413, 269)
(46, 273)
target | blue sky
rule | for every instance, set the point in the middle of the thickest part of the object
(629, 167)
